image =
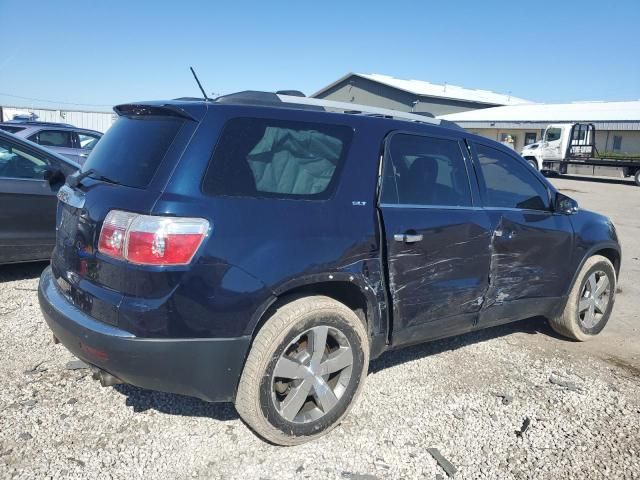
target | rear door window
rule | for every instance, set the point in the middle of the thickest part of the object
(425, 171)
(53, 138)
(133, 147)
(258, 157)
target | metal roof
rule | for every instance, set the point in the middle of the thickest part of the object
(427, 89)
(617, 112)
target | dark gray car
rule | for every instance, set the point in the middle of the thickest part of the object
(30, 177)
(72, 142)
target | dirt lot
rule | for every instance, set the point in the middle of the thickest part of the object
(470, 397)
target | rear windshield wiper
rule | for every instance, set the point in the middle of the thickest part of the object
(75, 180)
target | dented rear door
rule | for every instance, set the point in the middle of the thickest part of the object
(437, 238)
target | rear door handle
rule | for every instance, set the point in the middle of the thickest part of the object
(408, 237)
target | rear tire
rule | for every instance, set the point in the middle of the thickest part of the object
(304, 372)
(637, 178)
(590, 302)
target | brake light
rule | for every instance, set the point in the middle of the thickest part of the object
(151, 239)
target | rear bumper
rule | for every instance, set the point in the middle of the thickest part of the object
(205, 368)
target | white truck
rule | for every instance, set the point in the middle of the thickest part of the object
(571, 148)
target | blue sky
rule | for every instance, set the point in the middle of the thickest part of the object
(109, 52)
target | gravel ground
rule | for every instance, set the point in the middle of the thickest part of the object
(470, 397)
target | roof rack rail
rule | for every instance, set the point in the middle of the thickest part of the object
(354, 108)
(252, 97)
(36, 122)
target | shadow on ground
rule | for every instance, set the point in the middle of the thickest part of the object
(21, 271)
(619, 181)
(532, 326)
(172, 404)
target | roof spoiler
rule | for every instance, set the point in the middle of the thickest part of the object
(138, 109)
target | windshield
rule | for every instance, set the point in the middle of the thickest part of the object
(132, 149)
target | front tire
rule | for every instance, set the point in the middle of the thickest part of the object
(304, 372)
(636, 178)
(590, 302)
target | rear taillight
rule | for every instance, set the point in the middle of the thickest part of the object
(151, 239)
(114, 232)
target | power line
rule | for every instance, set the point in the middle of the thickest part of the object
(55, 101)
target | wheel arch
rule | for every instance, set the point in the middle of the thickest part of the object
(611, 251)
(352, 290)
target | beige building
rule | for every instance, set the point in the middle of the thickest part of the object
(617, 123)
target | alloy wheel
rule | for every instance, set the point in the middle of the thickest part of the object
(312, 374)
(594, 299)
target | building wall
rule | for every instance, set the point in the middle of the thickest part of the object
(630, 141)
(99, 121)
(517, 135)
(604, 138)
(367, 92)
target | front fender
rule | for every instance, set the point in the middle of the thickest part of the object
(593, 233)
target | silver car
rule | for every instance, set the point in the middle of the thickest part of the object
(62, 138)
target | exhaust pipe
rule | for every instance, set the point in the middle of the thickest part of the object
(105, 378)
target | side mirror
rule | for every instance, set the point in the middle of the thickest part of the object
(54, 176)
(565, 205)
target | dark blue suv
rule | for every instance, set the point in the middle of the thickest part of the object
(262, 248)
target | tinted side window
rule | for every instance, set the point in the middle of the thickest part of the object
(425, 171)
(53, 138)
(277, 158)
(16, 162)
(509, 183)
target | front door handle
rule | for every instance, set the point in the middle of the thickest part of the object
(408, 237)
(509, 234)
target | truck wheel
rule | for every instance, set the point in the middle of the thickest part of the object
(533, 163)
(304, 372)
(637, 178)
(590, 302)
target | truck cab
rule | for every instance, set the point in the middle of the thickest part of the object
(561, 140)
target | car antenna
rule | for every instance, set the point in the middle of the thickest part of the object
(199, 84)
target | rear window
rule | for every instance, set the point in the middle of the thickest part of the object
(11, 129)
(277, 158)
(132, 149)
